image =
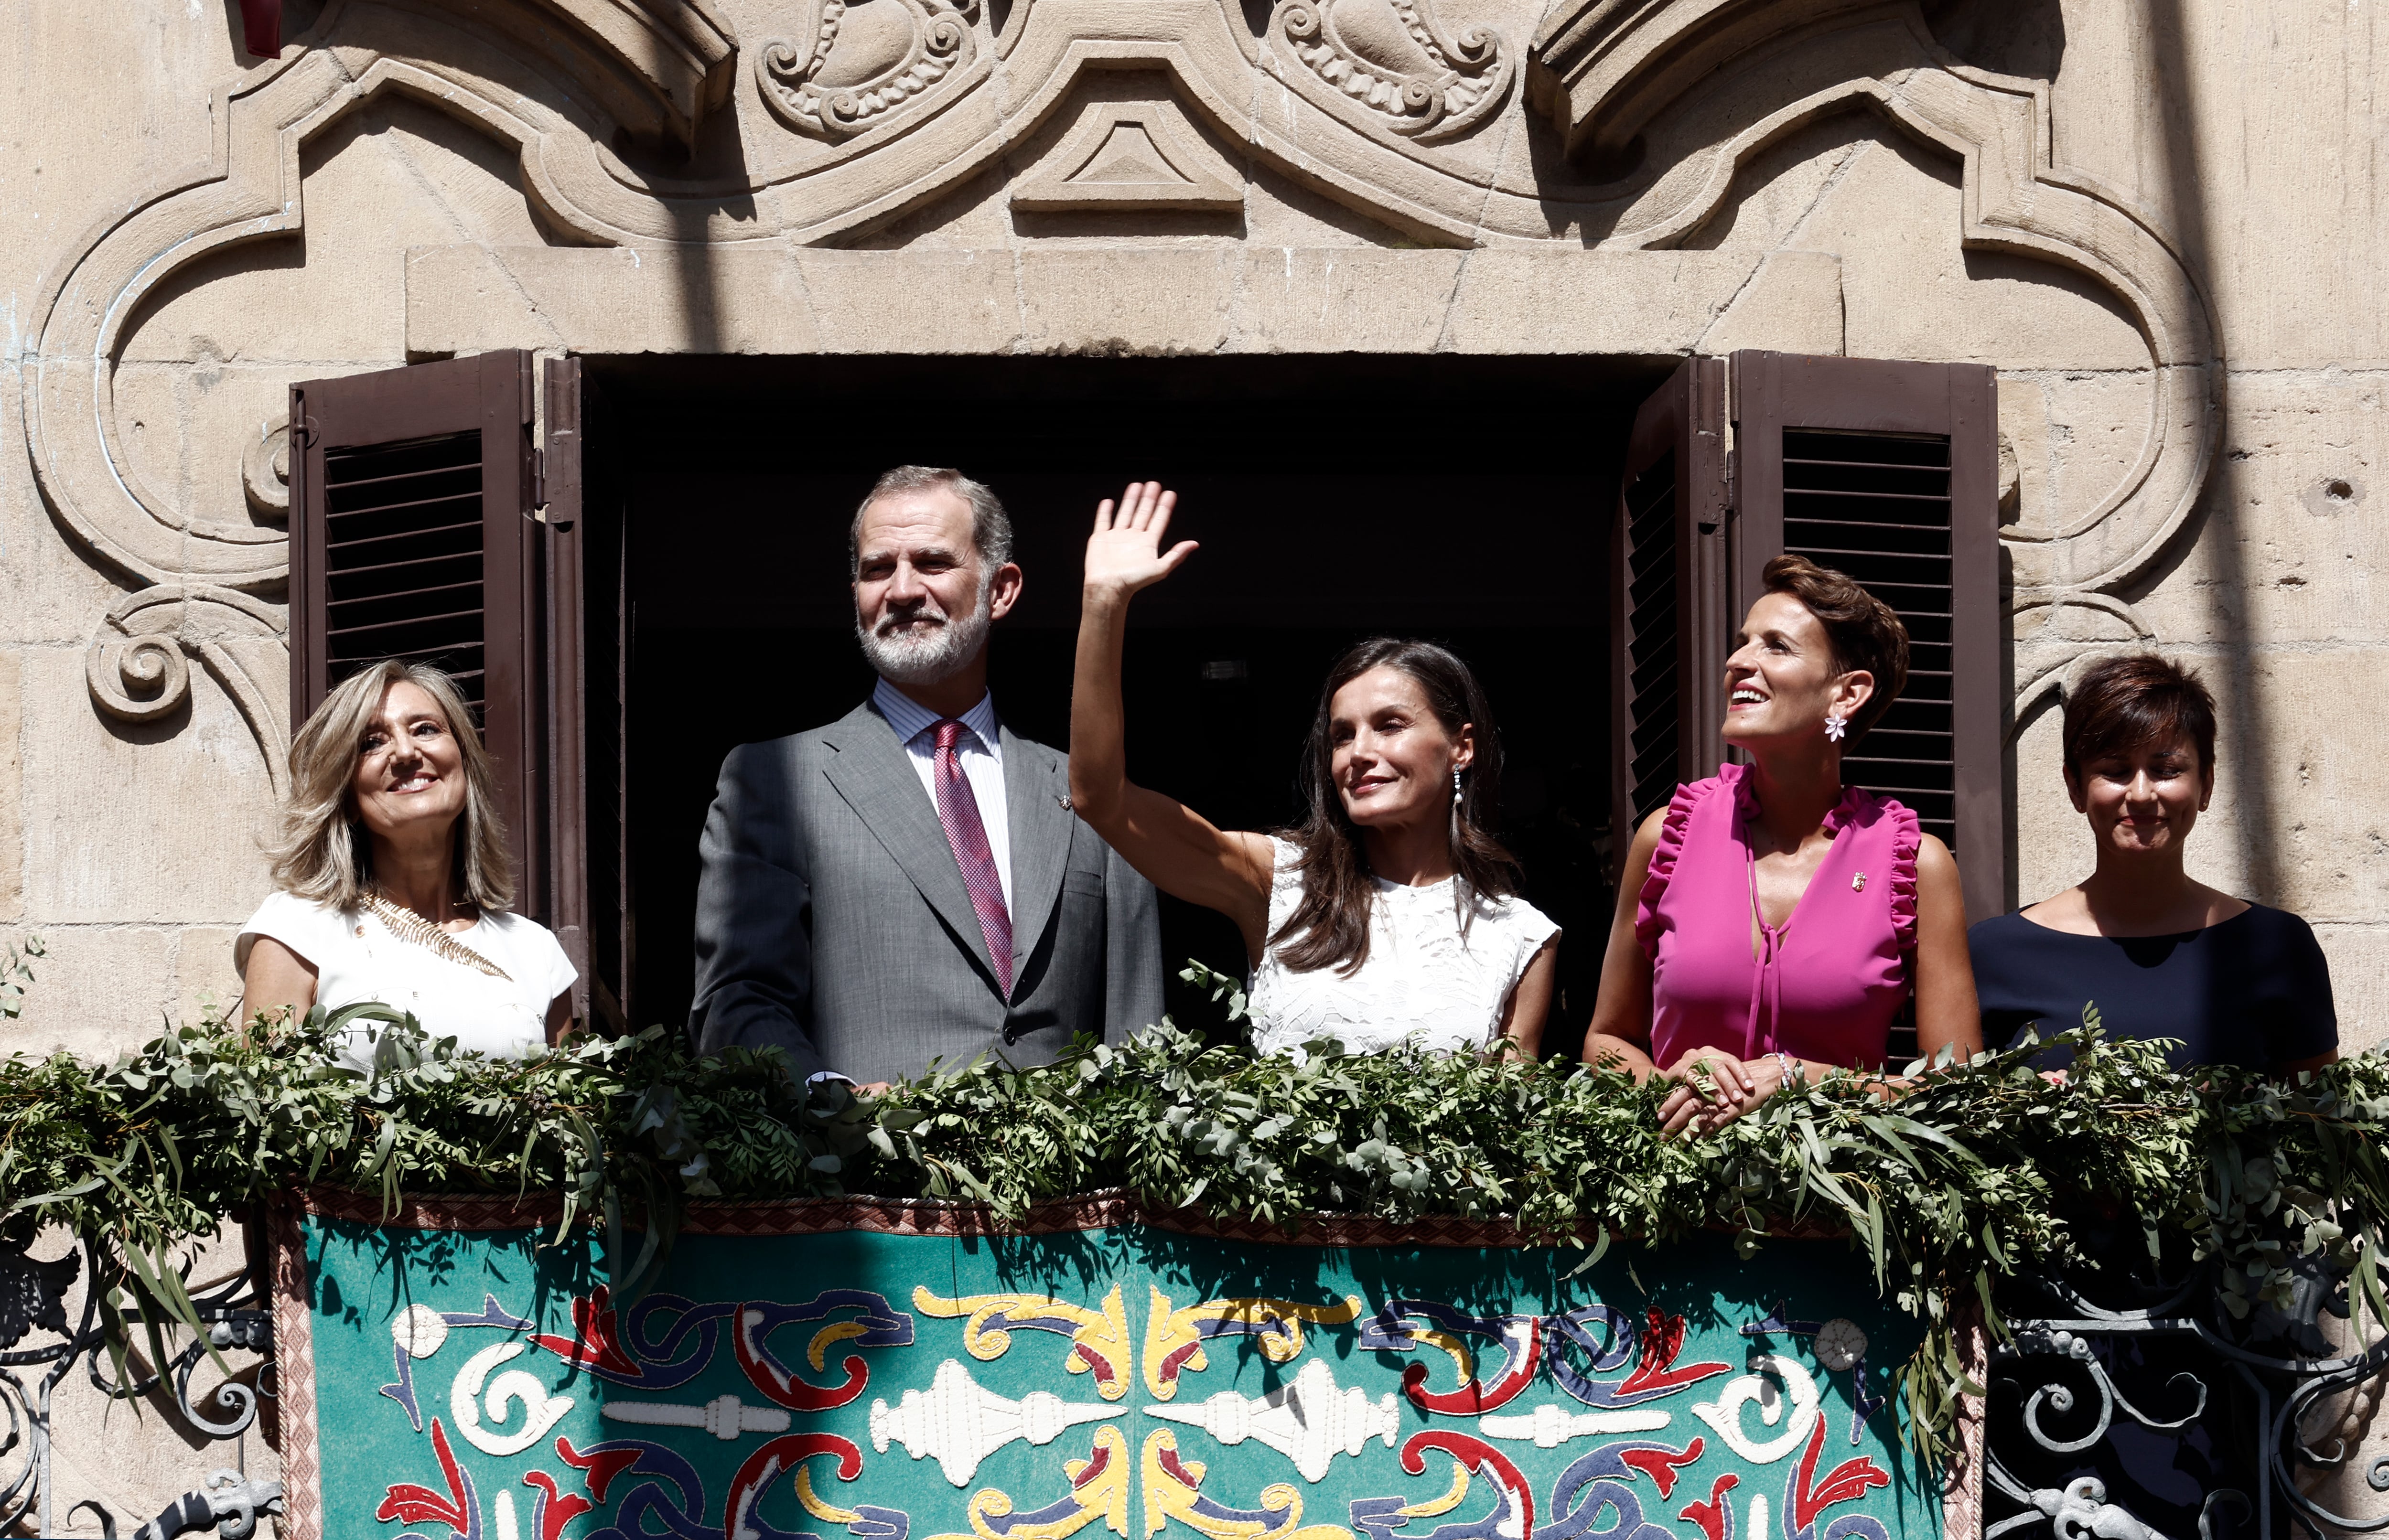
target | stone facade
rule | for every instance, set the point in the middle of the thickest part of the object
(2155, 218)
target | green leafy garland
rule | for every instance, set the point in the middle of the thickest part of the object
(1986, 1168)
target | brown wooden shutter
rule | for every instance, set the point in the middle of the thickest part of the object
(569, 822)
(415, 534)
(1889, 472)
(585, 520)
(1667, 618)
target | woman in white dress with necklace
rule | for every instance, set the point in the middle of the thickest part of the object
(1392, 915)
(394, 881)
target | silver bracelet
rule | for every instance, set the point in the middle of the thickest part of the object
(1792, 1070)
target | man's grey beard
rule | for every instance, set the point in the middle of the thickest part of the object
(933, 656)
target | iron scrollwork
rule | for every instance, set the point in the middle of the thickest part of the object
(33, 1294)
(2095, 1409)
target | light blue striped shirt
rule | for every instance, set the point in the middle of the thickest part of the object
(980, 748)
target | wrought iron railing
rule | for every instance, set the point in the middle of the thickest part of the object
(34, 1295)
(2171, 1417)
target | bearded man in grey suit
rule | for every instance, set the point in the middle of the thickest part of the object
(909, 882)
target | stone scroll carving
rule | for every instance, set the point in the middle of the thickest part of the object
(861, 63)
(1381, 100)
(265, 470)
(1394, 59)
(139, 662)
(1606, 74)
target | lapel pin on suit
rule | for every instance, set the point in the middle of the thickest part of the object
(1063, 801)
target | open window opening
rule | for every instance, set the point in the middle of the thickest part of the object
(665, 576)
(1335, 499)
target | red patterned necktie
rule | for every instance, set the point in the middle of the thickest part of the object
(958, 810)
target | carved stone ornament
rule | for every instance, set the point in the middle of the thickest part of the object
(1393, 58)
(1131, 154)
(860, 63)
(265, 469)
(138, 672)
(1604, 73)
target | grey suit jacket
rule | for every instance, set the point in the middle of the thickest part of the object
(832, 918)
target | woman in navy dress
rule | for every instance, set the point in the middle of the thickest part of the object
(2159, 953)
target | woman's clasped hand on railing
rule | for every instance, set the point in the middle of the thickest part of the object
(1773, 922)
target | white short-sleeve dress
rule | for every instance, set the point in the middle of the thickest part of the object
(1426, 983)
(357, 959)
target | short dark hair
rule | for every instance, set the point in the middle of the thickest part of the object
(990, 526)
(1864, 633)
(2121, 704)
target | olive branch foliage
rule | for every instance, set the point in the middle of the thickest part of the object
(1982, 1169)
(16, 971)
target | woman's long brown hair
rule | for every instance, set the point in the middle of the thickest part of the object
(1330, 927)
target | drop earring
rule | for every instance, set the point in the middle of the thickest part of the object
(1455, 801)
(1835, 725)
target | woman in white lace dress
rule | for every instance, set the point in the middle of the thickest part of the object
(1391, 916)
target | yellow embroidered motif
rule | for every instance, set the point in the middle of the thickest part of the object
(1173, 1490)
(1098, 1340)
(1174, 1339)
(1099, 1489)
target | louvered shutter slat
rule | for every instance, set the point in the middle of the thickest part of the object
(1832, 483)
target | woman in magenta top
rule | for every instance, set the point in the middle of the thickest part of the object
(1771, 920)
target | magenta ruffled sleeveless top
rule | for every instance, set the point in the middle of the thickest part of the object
(1826, 983)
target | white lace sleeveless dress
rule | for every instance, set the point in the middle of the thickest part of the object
(1425, 984)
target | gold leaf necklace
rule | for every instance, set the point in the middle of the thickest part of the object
(409, 926)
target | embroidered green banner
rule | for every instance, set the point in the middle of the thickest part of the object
(896, 1372)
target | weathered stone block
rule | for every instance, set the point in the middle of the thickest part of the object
(147, 823)
(2360, 983)
(1167, 300)
(2291, 544)
(102, 989)
(205, 982)
(12, 789)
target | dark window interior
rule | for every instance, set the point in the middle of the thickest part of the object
(1335, 498)
(1653, 688)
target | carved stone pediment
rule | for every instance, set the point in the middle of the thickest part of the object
(1122, 155)
(890, 105)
